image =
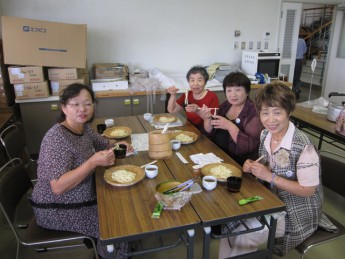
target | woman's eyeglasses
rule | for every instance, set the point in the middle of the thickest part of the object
(77, 106)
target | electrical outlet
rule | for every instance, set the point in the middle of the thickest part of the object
(250, 45)
(243, 45)
(236, 45)
(258, 45)
(266, 45)
(267, 35)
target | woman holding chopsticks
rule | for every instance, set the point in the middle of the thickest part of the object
(290, 164)
(236, 128)
(64, 196)
(194, 99)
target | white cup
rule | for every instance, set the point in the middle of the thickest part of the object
(175, 144)
(109, 123)
(151, 171)
(147, 116)
(209, 182)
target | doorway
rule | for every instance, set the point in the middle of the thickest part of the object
(313, 22)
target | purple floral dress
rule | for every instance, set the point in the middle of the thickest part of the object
(75, 210)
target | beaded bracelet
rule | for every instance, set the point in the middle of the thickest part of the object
(272, 181)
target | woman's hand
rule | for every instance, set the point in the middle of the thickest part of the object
(172, 90)
(247, 166)
(261, 171)
(103, 158)
(192, 108)
(205, 112)
(220, 122)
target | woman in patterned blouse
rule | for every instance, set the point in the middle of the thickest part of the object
(290, 165)
(64, 197)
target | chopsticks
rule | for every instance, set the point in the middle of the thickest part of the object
(148, 164)
(111, 151)
(183, 185)
(215, 110)
(165, 128)
(261, 157)
(186, 98)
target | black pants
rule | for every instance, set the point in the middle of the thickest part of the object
(297, 74)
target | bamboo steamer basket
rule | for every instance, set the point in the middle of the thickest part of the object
(156, 137)
(159, 145)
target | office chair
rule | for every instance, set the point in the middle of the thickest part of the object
(14, 184)
(333, 178)
(13, 141)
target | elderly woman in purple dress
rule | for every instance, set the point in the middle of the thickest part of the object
(64, 197)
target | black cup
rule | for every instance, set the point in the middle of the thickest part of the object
(234, 183)
(120, 152)
(101, 128)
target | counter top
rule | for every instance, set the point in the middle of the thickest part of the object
(133, 92)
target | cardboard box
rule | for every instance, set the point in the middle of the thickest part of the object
(66, 73)
(59, 85)
(20, 75)
(110, 71)
(31, 90)
(108, 84)
(43, 43)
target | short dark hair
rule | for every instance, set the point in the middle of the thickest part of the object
(237, 79)
(72, 91)
(198, 69)
(276, 94)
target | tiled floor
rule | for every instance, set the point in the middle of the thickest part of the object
(333, 204)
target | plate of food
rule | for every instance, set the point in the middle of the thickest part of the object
(164, 119)
(117, 132)
(186, 137)
(124, 175)
(221, 171)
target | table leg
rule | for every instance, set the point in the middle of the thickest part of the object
(206, 243)
(320, 141)
(271, 236)
(190, 247)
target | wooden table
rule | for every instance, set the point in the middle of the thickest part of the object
(125, 212)
(306, 118)
(220, 206)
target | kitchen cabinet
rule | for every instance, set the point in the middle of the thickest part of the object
(39, 115)
(38, 118)
(129, 105)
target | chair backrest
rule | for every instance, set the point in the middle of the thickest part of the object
(14, 184)
(13, 141)
(333, 174)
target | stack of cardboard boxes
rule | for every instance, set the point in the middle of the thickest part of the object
(36, 50)
(7, 95)
(60, 78)
(28, 82)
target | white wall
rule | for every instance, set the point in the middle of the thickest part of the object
(172, 35)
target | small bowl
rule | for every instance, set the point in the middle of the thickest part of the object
(147, 116)
(209, 182)
(234, 183)
(175, 144)
(121, 152)
(101, 128)
(151, 171)
(109, 123)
